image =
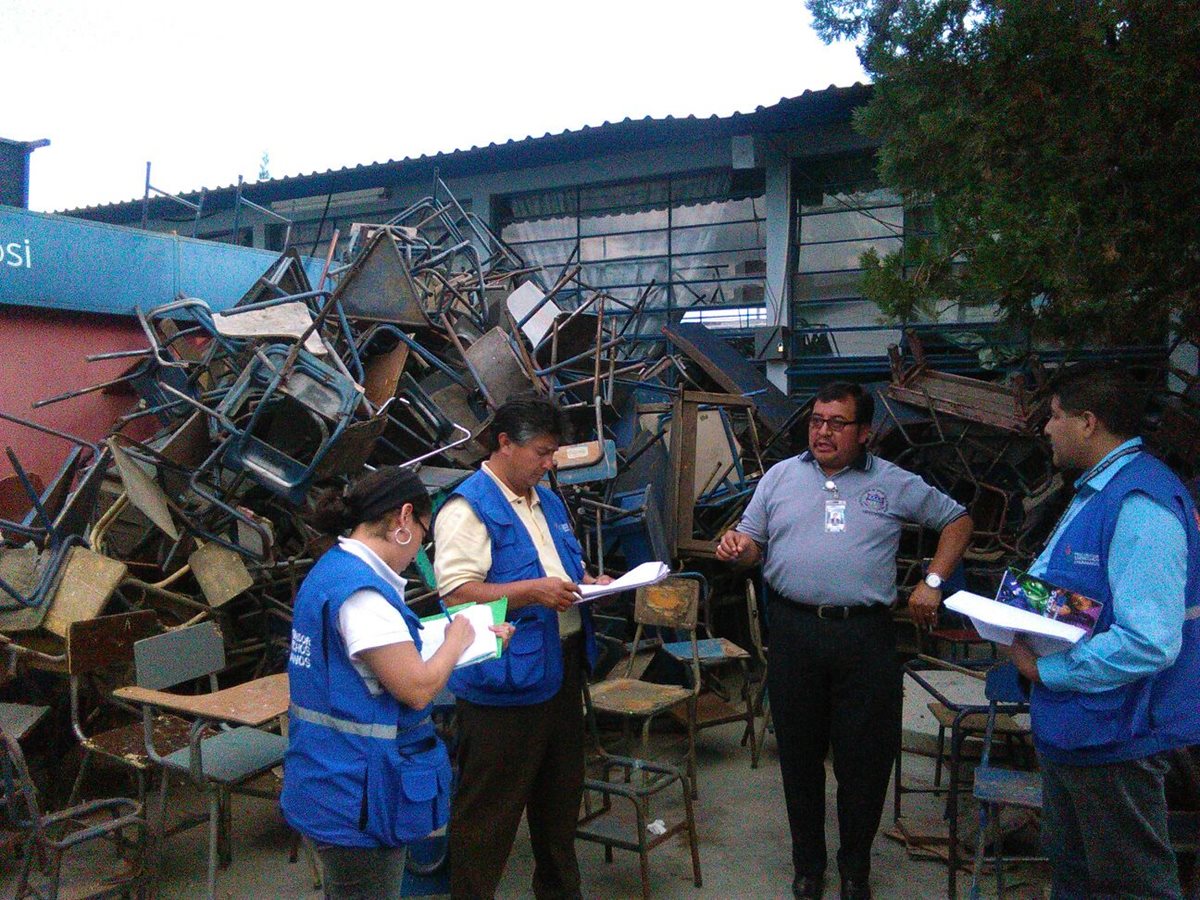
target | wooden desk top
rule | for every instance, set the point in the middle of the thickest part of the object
(254, 703)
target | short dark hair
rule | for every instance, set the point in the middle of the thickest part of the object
(864, 401)
(369, 499)
(525, 418)
(1107, 392)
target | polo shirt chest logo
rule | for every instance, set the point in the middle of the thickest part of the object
(873, 500)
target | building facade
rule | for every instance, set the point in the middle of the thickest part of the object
(751, 223)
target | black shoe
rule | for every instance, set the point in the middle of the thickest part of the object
(856, 887)
(808, 887)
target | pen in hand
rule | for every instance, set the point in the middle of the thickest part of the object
(446, 612)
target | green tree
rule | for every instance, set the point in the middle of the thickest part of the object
(1054, 146)
(264, 167)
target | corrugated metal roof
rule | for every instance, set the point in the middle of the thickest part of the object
(810, 108)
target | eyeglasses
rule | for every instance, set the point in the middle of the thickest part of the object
(426, 533)
(835, 425)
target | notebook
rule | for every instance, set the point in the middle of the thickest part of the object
(486, 645)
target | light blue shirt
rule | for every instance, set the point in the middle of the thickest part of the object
(1147, 574)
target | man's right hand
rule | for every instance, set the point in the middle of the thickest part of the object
(736, 547)
(555, 593)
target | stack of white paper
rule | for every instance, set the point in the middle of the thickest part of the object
(433, 635)
(1000, 623)
(645, 574)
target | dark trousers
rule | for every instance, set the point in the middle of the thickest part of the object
(361, 873)
(834, 682)
(514, 760)
(1104, 829)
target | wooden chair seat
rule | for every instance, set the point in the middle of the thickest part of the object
(1005, 724)
(712, 709)
(128, 742)
(629, 696)
(18, 719)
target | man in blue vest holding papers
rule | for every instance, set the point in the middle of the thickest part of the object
(520, 717)
(1107, 710)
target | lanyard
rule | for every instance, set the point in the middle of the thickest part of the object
(1092, 473)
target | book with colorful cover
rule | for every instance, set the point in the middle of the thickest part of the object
(1050, 618)
(1024, 591)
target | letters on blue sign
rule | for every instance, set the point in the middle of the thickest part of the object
(17, 255)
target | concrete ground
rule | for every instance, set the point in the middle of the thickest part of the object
(743, 835)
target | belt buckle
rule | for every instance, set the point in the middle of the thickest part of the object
(835, 612)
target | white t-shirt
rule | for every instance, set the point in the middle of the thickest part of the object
(366, 620)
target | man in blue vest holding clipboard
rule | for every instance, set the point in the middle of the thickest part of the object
(1107, 710)
(520, 717)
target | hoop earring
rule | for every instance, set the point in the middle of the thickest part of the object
(406, 541)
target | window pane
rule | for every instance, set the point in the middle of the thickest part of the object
(717, 211)
(621, 246)
(629, 194)
(625, 221)
(880, 222)
(538, 230)
(843, 329)
(844, 255)
(632, 234)
(741, 236)
(606, 274)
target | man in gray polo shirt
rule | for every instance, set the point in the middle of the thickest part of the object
(827, 525)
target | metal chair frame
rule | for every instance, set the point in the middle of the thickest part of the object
(54, 835)
(994, 786)
(219, 761)
(963, 724)
(671, 604)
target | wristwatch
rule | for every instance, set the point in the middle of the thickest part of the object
(934, 580)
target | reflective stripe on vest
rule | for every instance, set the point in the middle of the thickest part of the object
(1193, 613)
(359, 729)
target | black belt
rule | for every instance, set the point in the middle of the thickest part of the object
(839, 613)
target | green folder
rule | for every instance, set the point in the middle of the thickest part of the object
(499, 610)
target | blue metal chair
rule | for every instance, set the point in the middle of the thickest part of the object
(961, 719)
(227, 749)
(995, 786)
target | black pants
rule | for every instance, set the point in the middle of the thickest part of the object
(834, 682)
(514, 760)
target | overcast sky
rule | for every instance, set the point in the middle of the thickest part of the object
(203, 89)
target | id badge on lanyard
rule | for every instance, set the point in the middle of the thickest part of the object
(835, 511)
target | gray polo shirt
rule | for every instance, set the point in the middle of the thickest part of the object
(808, 559)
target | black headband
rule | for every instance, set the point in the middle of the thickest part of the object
(404, 487)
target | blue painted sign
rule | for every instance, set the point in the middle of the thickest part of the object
(57, 262)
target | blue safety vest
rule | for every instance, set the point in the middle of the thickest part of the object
(360, 770)
(1153, 714)
(531, 668)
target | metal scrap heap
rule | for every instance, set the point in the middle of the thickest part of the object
(194, 503)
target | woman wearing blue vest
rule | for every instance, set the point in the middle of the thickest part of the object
(364, 772)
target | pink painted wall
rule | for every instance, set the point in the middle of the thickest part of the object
(42, 354)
